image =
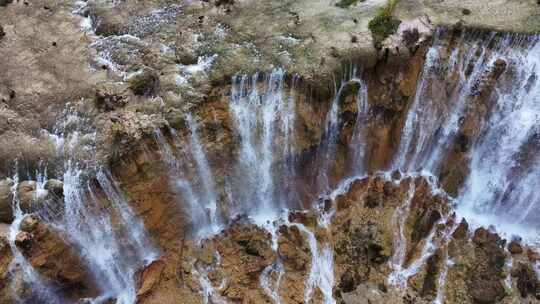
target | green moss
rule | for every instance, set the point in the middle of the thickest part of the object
(384, 24)
(347, 3)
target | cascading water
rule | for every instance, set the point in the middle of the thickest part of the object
(497, 188)
(255, 107)
(201, 201)
(112, 241)
(441, 281)
(112, 253)
(20, 268)
(209, 292)
(503, 172)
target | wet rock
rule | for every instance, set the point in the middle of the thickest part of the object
(396, 175)
(515, 248)
(424, 224)
(58, 261)
(499, 66)
(55, 187)
(144, 83)
(31, 198)
(369, 293)
(5, 2)
(149, 277)
(483, 237)
(29, 224)
(292, 249)
(6, 199)
(527, 281)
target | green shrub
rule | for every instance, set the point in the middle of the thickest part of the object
(347, 3)
(384, 24)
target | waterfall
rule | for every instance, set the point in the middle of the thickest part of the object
(400, 241)
(321, 274)
(502, 168)
(112, 253)
(441, 281)
(209, 192)
(22, 271)
(110, 237)
(262, 115)
(202, 202)
(328, 146)
(209, 293)
(500, 188)
(272, 288)
(358, 144)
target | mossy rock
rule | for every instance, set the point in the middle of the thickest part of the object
(145, 83)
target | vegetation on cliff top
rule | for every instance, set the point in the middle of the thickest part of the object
(384, 24)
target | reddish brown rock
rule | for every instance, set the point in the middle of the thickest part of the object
(149, 277)
(48, 252)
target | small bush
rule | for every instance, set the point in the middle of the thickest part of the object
(384, 24)
(347, 3)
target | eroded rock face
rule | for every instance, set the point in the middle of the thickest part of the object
(58, 261)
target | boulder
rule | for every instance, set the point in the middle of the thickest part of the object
(515, 248)
(55, 187)
(30, 198)
(6, 198)
(5, 2)
(29, 224)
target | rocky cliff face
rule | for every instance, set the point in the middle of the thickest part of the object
(147, 158)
